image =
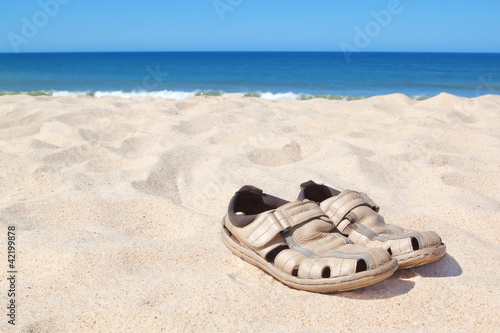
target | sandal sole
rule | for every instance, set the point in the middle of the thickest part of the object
(323, 285)
(421, 257)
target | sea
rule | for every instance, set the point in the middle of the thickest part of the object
(270, 75)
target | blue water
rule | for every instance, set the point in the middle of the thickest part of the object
(265, 74)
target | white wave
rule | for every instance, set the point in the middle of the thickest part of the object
(169, 94)
(270, 95)
(68, 93)
(186, 94)
(164, 94)
(418, 97)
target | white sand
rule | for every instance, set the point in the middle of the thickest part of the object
(118, 202)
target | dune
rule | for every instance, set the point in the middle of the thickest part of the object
(117, 205)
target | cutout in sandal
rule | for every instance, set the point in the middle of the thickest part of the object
(361, 266)
(414, 244)
(274, 253)
(326, 273)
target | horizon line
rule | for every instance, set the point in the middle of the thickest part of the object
(253, 51)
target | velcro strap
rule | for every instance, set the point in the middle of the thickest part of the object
(370, 202)
(338, 207)
(343, 224)
(269, 224)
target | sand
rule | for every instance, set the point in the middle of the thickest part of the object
(117, 205)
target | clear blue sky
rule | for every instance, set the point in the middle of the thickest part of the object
(250, 25)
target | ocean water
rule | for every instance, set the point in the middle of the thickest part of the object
(301, 75)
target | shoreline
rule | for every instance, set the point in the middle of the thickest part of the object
(178, 95)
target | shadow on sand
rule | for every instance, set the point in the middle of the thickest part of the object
(391, 287)
(447, 266)
(399, 284)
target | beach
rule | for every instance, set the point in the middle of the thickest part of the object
(117, 206)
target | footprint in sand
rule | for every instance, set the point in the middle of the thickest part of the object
(197, 125)
(479, 188)
(133, 147)
(162, 181)
(459, 117)
(39, 144)
(19, 131)
(184, 105)
(73, 155)
(274, 157)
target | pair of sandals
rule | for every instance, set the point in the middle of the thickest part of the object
(325, 241)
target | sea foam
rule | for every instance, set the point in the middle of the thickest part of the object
(176, 95)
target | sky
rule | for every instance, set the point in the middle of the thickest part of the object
(250, 25)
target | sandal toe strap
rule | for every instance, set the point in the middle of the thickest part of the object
(269, 224)
(339, 206)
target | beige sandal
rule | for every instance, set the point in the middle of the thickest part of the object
(294, 242)
(356, 216)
